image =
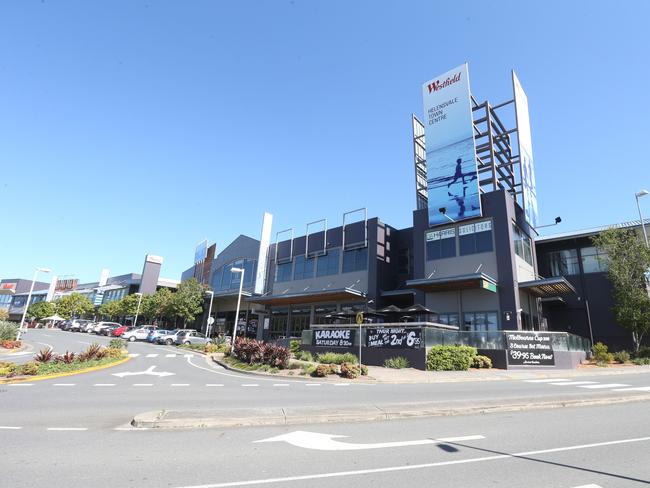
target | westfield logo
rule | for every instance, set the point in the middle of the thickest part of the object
(439, 85)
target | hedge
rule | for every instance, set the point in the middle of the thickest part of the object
(450, 358)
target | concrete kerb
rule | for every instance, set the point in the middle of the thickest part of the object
(248, 417)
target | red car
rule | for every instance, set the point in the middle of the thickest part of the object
(119, 331)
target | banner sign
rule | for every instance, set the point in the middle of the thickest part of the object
(333, 337)
(530, 349)
(200, 251)
(394, 337)
(525, 152)
(452, 171)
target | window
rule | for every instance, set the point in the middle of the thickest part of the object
(475, 238)
(441, 244)
(250, 268)
(300, 320)
(563, 263)
(448, 318)
(481, 321)
(278, 323)
(593, 261)
(355, 260)
(328, 264)
(522, 244)
(304, 268)
(283, 272)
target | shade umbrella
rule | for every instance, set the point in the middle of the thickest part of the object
(417, 308)
(54, 318)
(390, 309)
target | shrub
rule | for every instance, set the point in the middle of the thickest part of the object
(304, 356)
(117, 343)
(641, 361)
(622, 357)
(336, 358)
(481, 362)
(8, 331)
(90, 353)
(44, 355)
(249, 350)
(321, 371)
(275, 356)
(223, 347)
(10, 344)
(308, 369)
(450, 358)
(398, 362)
(113, 353)
(7, 368)
(643, 352)
(28, 369)
(294, 346)
(349, 370)
(601, 355)
(66, 358)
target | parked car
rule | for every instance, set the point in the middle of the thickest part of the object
(97, 329)
(119, 331)
(170, 338)
(108, 331)
(136, 335)
(65, 325)
(192, 337)
(88, 327)
(78, 325)
(155, 334)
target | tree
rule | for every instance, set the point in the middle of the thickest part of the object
(158, 305)
(187, 302)
(110, 309)
(40, 310)
(629, 260)
(74, 305)
(129, 305)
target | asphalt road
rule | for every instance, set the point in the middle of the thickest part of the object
(73, 431)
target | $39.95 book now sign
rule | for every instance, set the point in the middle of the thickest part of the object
(530, 349)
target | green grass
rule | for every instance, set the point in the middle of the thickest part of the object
(398, 362)
(336, 358)
(235, 363)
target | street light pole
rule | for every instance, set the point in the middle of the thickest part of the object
(234, 328)
(29, 297)
(207, 322)
(137, 311)
(638, 195)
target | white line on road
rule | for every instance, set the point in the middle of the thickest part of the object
(545, 381)
(634, 388)
(170, 355)
(20, 384)
(313, 384)
(9, 427)
(180, 384)
(249, 384)
(142, 384)
(281, 384)
(188, 355)
(607, 385)
(341, 384)
(133, 355)
(588, 486)
(84, 342)
(104, 384)
(213, 384)
(151, 356)
(574, 383)
(64, 384)
(392, 469)
(131, 428)
(67, 428)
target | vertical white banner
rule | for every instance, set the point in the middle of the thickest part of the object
(265, 240)
(525, 152)
(50, 290)
(103, 277)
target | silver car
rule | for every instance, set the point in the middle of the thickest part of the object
(170, 337)
(192, 337)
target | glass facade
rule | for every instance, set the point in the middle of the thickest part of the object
(562, 263)
(475, 238)
(278, 323)
(441, 244)
(481, 321)
(224, 279)
(355, 260)
(328, 264)
(523, 246)
(593, 261)
(448, 319)
(283, 272)
(300, 319)
(304, 268)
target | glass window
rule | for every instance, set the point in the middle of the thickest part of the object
(355, 260)
(283, 272)
(441, 244)
(522, 244)
(325, 314)
(278, 323)
(475, 238)
(216, 279)
(249, 271)
(448, 319)
(304, 268)
(563, 263)
(481, 321)
(593, 260)
(328, 264)
(299, 320)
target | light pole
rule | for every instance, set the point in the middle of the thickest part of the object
(29, 297)
(234, 328)
(208, 324)
(638, 195)
(137, 311)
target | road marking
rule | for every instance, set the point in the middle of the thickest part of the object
(9, 427)
(84, 342)
(151, 355)
(341, 384)
(393, 469)
(313, 384)
(326, 442)
(170, 355)
(180, 384)
(148, 372)
(133, 355)
(574, 383)
(64, 384)
(21, 384)
(588, 486)
(67, 428)
(281, 384)
(142, 384)
(545, 381)
(213, 384)
(104, 384)
(606, 385)
(131, 428)
(188, 355)
(249, 384)
(634, 388)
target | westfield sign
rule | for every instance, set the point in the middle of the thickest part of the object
(439, 85)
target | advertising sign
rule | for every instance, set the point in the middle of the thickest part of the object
(200, 251)
(8, 288)
(394, 337)
(452, 172)
(530, 349)
(333, 337)
(525, 152)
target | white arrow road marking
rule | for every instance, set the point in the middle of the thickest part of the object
(67, 428)
(150, 371)
(573, 383)
(588, 486)
(608, 385)
(151, 356)
(545, 381)
(326, 442)
(634, 388)
(8, 427)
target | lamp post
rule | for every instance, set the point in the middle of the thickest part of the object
(29, 297)
(234, 328)
(137, 311)
(638, 195)
(208, 324)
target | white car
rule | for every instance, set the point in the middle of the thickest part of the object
(102, 325)
(136, 335)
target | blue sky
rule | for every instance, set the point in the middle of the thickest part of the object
(133, 127)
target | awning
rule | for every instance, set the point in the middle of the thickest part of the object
(548, 287)
(341, 294)
(393, 293)
(229, 294)
(452, 283)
